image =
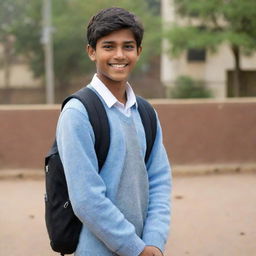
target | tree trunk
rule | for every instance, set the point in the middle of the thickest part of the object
(7, 63)
(7, 69)
(237, 71)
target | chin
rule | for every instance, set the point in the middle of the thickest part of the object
(118, 78)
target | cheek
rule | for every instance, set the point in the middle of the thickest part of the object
(134, 59)
(102, 59)
(101, 64)
(135, 55)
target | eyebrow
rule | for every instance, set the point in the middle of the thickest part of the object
(125, 42)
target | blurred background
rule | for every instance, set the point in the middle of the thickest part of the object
(191, 49)
(198, 68)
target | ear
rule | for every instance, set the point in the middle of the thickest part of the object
(91, 52)
(139, 50)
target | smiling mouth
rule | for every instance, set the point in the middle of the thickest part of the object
(118, 65)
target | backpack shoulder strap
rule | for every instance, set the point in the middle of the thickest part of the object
(98, 119)
(149, 121)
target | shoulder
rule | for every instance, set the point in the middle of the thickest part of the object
(74, 104)
(73, 114)
(73, 120)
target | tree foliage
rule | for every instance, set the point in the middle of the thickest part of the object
(186, 87)
(28, 33)
(231, 21)
(210, 23)
(11, 13)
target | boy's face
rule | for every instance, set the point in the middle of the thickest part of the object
(115, 56)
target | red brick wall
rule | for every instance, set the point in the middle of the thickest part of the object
(195, 132)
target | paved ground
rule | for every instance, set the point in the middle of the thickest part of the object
(213, 215)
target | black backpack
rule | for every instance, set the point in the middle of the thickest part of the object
(62, 224)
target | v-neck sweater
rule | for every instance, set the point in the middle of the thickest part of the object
(126, 206)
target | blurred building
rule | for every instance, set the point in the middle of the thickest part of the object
(214, 69)
(20, 75)
(17, 82)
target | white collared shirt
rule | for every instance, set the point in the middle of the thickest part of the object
(111, 100)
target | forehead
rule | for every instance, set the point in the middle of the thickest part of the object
(119, 36)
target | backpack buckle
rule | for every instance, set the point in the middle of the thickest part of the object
(66, 205)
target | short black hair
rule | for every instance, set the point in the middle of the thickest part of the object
(113, 19)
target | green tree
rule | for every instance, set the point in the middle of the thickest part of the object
(10, 15)
(70, 18)
(185, 87)
(217, 21)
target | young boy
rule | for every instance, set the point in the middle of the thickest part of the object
(124, 208)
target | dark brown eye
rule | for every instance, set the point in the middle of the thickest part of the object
(107, 46)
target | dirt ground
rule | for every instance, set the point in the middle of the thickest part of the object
(213, 215)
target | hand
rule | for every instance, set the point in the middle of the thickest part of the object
(151, 251)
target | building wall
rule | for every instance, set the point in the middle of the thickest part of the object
(20, 77)
(213, 71)
(201, 132)
(20, 74)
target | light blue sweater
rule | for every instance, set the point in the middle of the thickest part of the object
(108, 203)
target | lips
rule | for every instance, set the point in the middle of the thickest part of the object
(118, 65)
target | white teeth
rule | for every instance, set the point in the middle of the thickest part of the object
(118, 65)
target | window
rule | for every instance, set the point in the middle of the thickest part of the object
(196, 55)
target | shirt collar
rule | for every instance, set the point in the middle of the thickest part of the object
(108, 97)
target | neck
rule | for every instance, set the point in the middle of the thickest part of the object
(119, 92)
(118, 89)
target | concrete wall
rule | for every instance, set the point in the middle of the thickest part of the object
(204, 132)
(209, 132)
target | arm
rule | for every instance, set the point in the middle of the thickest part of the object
(157, 223)
(86, 188)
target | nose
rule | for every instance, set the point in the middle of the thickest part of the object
(119, 54)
